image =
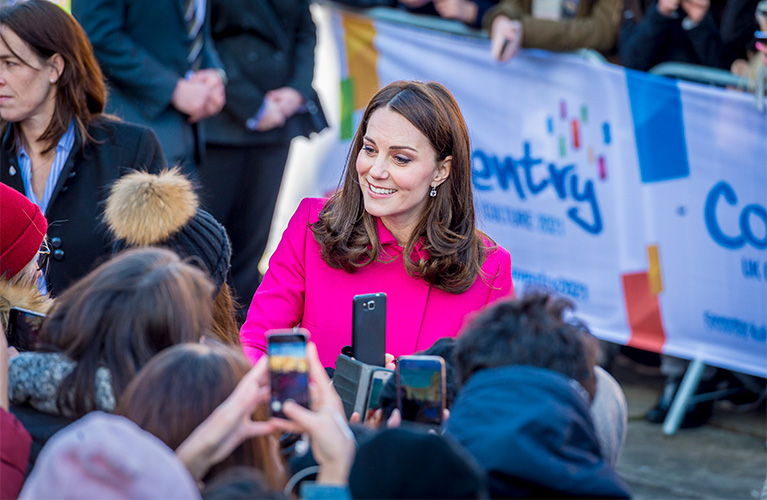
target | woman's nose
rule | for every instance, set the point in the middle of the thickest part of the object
(378, 170)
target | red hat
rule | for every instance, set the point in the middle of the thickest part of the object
(22, 229)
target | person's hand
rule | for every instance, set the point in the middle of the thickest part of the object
(668, 7)
(390, 361)
(461, 10)
(230, 424)
(215, 84)
(272, 117)
(332, 441)
(696, 10)
(505, 38)
(287, 99)
(414, 4)
(191, 98)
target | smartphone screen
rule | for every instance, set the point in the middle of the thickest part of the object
(378, 380)
(23, 328)
(369, 328)
(421, 388)
(288, 369)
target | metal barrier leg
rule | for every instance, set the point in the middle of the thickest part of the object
(686, 390)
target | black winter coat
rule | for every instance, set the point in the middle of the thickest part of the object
(76, 233)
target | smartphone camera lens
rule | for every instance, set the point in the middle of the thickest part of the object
(370, 305)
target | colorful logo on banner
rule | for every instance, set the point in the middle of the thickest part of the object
(361, 82)
(563, 175)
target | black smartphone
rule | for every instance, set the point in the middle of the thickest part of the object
(288, 368)
(23, 328)
(420, 382)
(369, 328)
(378, 380)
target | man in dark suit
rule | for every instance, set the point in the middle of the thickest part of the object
(161, 66)
(267, 48)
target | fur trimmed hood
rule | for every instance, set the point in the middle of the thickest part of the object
(145, 209)
(15, 295)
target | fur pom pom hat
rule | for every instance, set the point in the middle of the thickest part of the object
(145, 209)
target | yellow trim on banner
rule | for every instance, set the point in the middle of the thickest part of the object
(361, 57)
(654, 271)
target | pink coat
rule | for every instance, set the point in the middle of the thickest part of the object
(300, 289)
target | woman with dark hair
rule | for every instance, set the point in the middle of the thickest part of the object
(57, 147)
(402, 223)
(101, 331)
(176, 391)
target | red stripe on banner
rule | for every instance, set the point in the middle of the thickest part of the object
(576, 135)
(643, 311)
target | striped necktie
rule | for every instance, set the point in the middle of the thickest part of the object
(193, 19)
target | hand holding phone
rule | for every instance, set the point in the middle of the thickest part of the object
(369, 328)
(23, 328)
(420, 382)
(288, 369)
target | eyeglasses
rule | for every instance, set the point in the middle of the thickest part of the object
(43, 254)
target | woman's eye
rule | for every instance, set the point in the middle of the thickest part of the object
(368, 149)
(402, 160)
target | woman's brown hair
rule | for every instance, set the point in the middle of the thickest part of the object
(120, 315)
(181, 387)
(348, 234)
(49, 30)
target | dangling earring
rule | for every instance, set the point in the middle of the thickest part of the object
(433, 192)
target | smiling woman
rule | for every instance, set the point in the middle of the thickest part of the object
(403, 224)
(56, 145)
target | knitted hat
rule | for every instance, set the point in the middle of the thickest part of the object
(107, 456)
(22, 229)
(146, 209)
(409, 463)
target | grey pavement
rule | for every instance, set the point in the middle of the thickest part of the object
(726, 458)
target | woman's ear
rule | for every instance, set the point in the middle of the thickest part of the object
(443, 171)
(57, 66)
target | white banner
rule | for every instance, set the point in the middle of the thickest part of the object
(642, 200)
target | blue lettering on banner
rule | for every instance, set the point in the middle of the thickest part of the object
(735, 326)
(565, 286)
(521, 219)
(752, 217)
(488, 172)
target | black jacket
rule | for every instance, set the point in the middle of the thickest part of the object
(76, 233)
(532, 433)
(142, 48)
(263, 45)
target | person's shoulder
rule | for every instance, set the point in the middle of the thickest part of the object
(111, 126)
(309, 209)
(494, 252)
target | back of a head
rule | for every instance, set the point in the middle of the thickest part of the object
(413, 464)
(107, 456)
(179, 388)
(529, 331)
(241, 483)
(145, 209)
(124, 312)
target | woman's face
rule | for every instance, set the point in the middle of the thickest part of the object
(26, 93)
(397, 167)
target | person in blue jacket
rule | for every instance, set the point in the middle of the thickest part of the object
(523, 408)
